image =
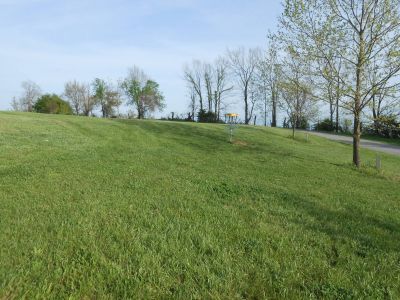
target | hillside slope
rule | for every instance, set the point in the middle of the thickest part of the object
(126, 209)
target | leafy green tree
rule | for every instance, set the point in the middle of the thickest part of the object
(106, 96)
(143, 93)
(99, 90)
(367, 40)
(112, 101)
(385, 125)
(296, 88)
(52, 104)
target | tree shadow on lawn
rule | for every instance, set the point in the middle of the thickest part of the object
(214, 137)
(352, 223)
(371, 233)
(187, 134)
(211, 136)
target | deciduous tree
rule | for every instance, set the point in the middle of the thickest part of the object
(75, 93)
(31, 92)
(368, 35)
(142, 92)
(297, 90)
(193, 75)
(243, 64)
(106, 96)
(268, 77)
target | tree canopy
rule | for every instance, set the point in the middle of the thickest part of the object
(142, 92)
(52, 104)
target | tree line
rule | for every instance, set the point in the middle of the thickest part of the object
(137, 89)
(339, 55)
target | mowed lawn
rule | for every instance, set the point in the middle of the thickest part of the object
(93, 208)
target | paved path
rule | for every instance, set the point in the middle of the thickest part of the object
(372, 145)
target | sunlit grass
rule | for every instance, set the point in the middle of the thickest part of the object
(145, 209)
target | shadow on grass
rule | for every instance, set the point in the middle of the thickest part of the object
(201, 138)
(214, 137)
(370, 233)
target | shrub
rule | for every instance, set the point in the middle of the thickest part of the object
(385, 126)
(52, 104)
(207, 117)
(189, 117)
(325, 125)
(301, 122)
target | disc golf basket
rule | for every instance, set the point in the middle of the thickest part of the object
(232, 121)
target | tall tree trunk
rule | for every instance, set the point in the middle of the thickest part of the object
(265, 110)
(219, 107)
(30, 106)
(337, 115)
(246, 113)
(193, 112)
(246, 106)
(201, 102)
(274, 104)
(215, 104)
(356, 141)
(216, 110)
(357, 102)
(331, 112)
(374, 114)
(293, 127)
(337, 103)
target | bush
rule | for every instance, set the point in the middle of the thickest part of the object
(207, 117)
(325, 125)
(179, 118)
(52, 104)
(385, 126)
(302, 123)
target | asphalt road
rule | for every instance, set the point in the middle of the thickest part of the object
(372, 145)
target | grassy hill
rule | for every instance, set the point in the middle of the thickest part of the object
(93, 208)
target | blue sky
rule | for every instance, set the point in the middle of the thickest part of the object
(51, 42)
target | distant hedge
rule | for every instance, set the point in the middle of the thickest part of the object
(52, 104)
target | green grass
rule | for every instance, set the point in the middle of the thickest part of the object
(93, 208)
(370, 137)
(393, 141)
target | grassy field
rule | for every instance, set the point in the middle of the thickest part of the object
(393, 141)
(369, 137)
(93, 208)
